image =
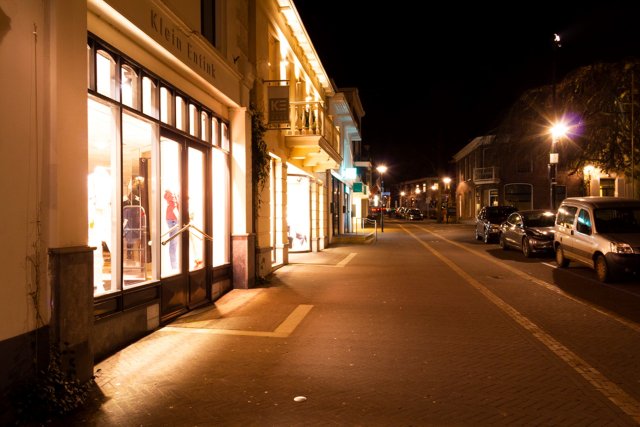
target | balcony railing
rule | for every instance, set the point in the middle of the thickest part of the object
(487, 175)
(310, 118)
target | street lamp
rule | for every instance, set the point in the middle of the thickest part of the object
(558, 130)
(402, 194)
(381, 170)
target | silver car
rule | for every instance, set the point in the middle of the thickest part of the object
(600, 232)
(531, 231)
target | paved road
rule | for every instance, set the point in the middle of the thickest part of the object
(424, 327)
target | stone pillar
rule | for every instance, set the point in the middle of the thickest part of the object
(71, 276)
(243, 251)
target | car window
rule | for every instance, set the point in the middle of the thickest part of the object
(617, 220)
(584, 222)
(566, 216)
(513, 218)
(541, 219)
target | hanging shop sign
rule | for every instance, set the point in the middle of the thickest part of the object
(278, 104)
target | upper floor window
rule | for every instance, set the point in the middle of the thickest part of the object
(208, 20)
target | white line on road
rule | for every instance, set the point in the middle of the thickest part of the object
(346, 260)
(610, 390)
(283, 330)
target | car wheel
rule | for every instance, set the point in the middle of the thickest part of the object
(560, 258)
(503, 243)
(526, 247)
(602, 269)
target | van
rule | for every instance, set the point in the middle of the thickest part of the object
(602, 233)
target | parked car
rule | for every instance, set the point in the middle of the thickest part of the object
(414, 215)
(600, 232)
(531, 231)
(489, 219)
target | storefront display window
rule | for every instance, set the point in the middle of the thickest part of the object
(138, 199)
(298, 212)
(101, 185)
(171, 223)
(221, 207)
(196, 209)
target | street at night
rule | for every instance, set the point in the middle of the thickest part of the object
(425, 326)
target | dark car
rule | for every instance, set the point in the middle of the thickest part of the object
(414, 215)
(531, 231)
(489, 219)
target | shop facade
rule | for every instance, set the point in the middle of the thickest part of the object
(131, 183)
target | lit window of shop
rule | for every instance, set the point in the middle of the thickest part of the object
(193, 120)
(102, 197)
(105, 67)
(157, 188)
(222, 208)
(205, 129)
(215, 132)
(166, 102)
(138, 199)
(149, 95)
(225, 136)
(129, 86)
(181, 114)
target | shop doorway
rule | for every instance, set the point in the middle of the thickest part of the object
(184, 169)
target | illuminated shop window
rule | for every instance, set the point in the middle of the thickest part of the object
(225, 136)
(149, 97)
(105, 74)
(101, 186)
(196, 209)
(166, 101)
(215, 132)
(138, 199)
(181, 113)
(205, 129)
(193, 120)
(171, 207)
(129, 86)
(221, 207)
(299, 212)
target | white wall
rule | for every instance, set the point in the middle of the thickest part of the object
(43, 119)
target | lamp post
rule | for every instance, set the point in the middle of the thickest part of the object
(402, 194)
(381, 170)
(558, 130)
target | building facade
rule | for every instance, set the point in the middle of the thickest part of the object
(491, 174)
(311, 127)
(127, 142)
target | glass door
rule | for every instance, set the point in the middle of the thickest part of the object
(183, 224)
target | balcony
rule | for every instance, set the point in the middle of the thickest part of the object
(312, 137)
(487, 175)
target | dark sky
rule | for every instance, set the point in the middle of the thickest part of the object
(431, 79)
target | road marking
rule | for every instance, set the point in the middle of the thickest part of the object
(346, 260)
(628, 323)
(284, 330)
(610, 390)
(341, 264)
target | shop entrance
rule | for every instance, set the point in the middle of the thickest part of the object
(184, 226)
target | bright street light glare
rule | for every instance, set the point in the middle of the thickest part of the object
(559, 130)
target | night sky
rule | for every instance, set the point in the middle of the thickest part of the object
(431, 81)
